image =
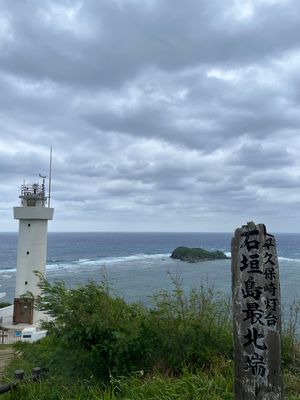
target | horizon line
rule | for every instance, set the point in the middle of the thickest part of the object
(167, 232)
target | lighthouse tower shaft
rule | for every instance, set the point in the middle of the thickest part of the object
(33, 216)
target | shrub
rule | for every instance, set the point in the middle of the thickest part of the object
(4, 304)
(95, 332)
(290, 338)
(179, 347)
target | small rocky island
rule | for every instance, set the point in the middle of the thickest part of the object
(196, 254)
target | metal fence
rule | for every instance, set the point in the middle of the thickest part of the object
(9, 337)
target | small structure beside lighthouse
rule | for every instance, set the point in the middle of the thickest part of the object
(33, 215)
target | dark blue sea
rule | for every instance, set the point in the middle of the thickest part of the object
(139, 264)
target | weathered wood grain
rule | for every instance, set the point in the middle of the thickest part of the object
(256, 314)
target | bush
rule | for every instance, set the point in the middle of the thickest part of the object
(290, 338)
(4, 304)
(180, 347)
(96, 333)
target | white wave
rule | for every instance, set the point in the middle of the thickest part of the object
(76, 265)
(50, 267)
(86, 262)
(289, 259)
(7, 272)
(135, 257)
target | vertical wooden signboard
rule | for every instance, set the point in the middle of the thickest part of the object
(256, 314)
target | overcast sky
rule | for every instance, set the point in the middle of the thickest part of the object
(164, 115)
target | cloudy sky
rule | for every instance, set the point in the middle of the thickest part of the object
(164, 115)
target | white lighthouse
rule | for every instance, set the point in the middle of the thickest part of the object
(33, 215)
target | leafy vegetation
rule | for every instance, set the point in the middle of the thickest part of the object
(115, 338)
(100, 347)
(4, 304)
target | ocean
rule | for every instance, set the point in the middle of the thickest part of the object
(139, 264)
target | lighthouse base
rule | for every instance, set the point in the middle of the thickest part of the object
(23, 311)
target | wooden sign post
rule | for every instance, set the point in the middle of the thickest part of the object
(256, 314)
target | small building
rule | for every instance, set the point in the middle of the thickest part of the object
(32, 334)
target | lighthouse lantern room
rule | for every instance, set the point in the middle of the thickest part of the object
(33, 215)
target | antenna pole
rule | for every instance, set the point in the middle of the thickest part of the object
(50, 176)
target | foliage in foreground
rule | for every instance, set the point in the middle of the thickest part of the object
(96, 333)
(4, 304)
(100, 347)
(215, 384)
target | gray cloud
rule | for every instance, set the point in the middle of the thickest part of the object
(163, 115)
(104, 43)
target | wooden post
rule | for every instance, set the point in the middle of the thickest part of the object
(36, 373)
(256, 314)
(19, 374)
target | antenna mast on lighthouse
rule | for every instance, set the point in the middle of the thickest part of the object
(50, 177)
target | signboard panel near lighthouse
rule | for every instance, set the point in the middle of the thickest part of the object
(256, 314)
(33, 216)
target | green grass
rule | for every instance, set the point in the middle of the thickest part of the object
(100, 347)
(212, 385)
(215, 384)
